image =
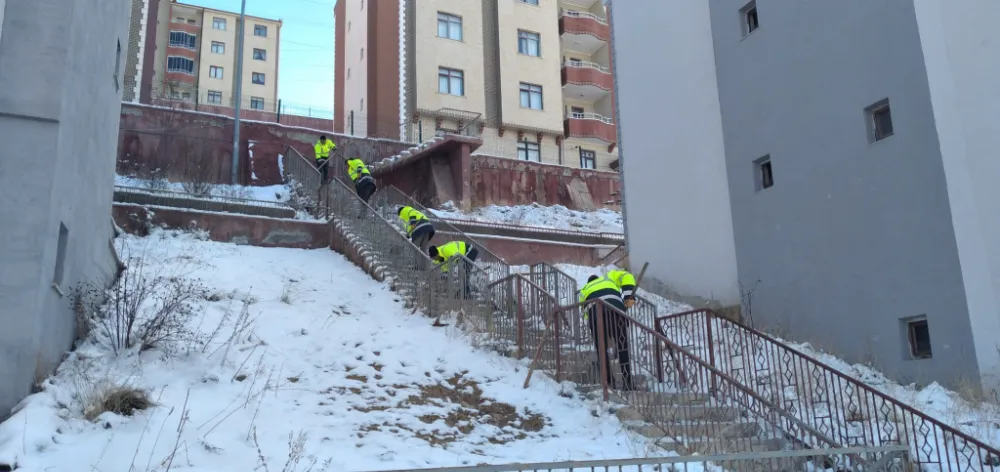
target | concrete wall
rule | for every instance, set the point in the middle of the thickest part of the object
(60, 96)
(960, 48)
(499, 181)
(677, 209)
(852, 234)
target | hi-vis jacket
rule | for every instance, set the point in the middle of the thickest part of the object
(323, 149)
(356, 168)
(412, 219)
(449, 250)
(602, 289)
(624, 280)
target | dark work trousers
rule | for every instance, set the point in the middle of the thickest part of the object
(321, 165)
(472, 254)
(422, 234)
(365, 187)
(615, 328)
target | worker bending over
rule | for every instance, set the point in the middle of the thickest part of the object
(615, 325)
(323, 148)
(418, 228)
(364, 183)
(448, 253)
(626, 284)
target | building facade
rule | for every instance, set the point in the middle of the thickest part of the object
(188, 53)
(61, 69)
(531, 77)
(832, 162)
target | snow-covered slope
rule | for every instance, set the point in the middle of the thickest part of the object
(271, 193)
(556, 216)
(323, 362)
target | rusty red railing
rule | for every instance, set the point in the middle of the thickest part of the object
(829, 401)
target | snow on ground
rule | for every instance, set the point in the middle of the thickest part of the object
(978, 418)
(556, 216)
(270, 193)
(322, 362)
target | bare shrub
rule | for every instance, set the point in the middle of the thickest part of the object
(233, 191)
(141, 309)
(296, 454)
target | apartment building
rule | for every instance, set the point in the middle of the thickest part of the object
(531, 77)
(188, 53)
(61, 65)
(832, 162)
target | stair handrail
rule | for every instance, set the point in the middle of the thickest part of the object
(752, 347)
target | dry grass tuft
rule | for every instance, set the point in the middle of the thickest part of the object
(120, 400)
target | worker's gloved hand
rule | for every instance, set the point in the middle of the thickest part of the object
(629, 301)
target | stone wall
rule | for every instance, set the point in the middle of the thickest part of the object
(500, 181)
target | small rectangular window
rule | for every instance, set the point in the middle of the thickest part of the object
(57, 277)
(256, 103)
(219, 23)
(215, 72)
(218, 47)
(260, 30)
(362, 53)
(529, 2)
(531, 96)
(449, 26)
(259, 54)
(214, 97)
(362, 104)
(763, 173)
(527, 151)
(919, 337)
(529, 43)
(577, 112)
(748, 17)
(588, 159)
(257, 78)
(190, 21)
(451, 81)
(879, 118)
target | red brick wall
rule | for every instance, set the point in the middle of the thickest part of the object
(181, 142)
(500, 181)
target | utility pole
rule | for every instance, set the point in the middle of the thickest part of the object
(238, 92)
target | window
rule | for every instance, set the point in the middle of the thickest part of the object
(348, 26)
(362, 104)
(529, 2)
(190, 21)
(879, 121)
(763, 175)
(531, 96)
(259, 54)
(257, 78)
(575, 62)
(219, 23)
(118, 65)
(260, 30)
(214, 96)
(256, 103)
(57, 277)
(215, 72)
(451, 82)
(218, 47)
(918, 334)
(362, 53)
(180, 39)
(748, 16)
(588, 159)
(449, 26)
(180, 64)
(348, 72)
(576, 112)
(529, 152)
(528, 43)
(179, 19)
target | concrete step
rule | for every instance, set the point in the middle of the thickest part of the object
(694, 412)
(640, 398)
(706, 430)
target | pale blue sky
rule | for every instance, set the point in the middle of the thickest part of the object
(306, 62)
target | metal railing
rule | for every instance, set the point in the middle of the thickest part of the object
(845, 409)
(583, 14)
(211, 203)
(612, 238)
(882, 459)
(589, 116)
(587, 65)
(388, 199)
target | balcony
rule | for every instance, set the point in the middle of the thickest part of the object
(591, 126)
(587, 81)
(582, 31)
(581, 4)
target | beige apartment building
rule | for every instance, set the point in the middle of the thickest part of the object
(188, 53)
(531, 77)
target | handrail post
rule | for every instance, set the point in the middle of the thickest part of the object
(602, 349)
(658, 350)
(711, 344)
(556, 314)
(520, 319)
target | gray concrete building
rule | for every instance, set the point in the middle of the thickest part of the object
(841, 157)
(61, 67)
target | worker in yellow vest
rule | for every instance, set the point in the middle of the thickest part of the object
(615, 325)
(322, 149)
(418, 228)
(363, 181)
(626, 283)
(448, 254)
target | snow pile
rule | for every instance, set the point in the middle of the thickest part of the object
(555, 216)
(270, 193)
(293, 355)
